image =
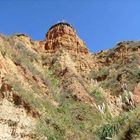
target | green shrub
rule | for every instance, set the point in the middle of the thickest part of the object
(97, 93)
(113, 127)
(107, 131)
(101, 74)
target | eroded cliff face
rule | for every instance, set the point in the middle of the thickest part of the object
(62, 35)
(70, 60)
(15, 123)
(57, 79)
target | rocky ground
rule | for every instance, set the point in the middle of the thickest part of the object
(15, 124)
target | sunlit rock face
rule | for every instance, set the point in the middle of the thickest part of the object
(62, 35)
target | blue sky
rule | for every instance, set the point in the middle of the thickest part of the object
(100, 23)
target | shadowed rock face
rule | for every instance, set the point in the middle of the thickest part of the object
(63, 35)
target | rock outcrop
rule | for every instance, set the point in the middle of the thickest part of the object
(137, 93)
(63, 35)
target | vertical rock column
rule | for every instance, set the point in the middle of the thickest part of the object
(62, 35)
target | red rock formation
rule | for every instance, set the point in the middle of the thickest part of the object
(137, 93)
(63, 35)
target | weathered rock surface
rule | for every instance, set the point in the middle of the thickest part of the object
(62, 35)
(15, 123)
(137, 93)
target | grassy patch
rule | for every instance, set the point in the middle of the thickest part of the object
(71, 120)
(125, 126)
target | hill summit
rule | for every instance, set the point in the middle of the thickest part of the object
(63, 35)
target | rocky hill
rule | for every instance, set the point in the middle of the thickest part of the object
(55, 89)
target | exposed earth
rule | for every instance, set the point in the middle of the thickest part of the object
(55, 89)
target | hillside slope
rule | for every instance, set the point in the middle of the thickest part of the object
(56, 89)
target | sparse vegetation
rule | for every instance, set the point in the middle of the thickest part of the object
(100, 74)
(123, 127)
(71, 120)
(109, 130)
(45, 84)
